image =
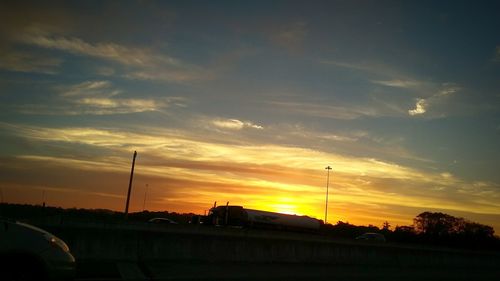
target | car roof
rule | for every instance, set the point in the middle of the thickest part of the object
(162, 219)
(25, 225)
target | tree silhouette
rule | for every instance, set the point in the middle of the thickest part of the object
(452, 231)
(435, 224)
(386, 226)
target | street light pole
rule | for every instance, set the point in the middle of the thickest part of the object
(328, 168)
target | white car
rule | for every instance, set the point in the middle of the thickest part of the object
(28, 253)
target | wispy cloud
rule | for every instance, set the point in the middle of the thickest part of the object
(96, 98)
(100, 97)
(389, 76)
(349, 65)
(430, 95)
(161, 73)
(235, 124)
(447, 89)
(109, 51)
(301, 132)
(170, 145)
(397, 83)
(423, 104)
(167, 144)
(343, 112)
(26, 62)
(356, 142)
(142, 63)
(89, 88)
(117, 106)
(375, 69)
(90, 165)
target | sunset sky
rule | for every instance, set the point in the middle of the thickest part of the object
(249, 101)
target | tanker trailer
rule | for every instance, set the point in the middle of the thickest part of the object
(266, 219)
(239, 216)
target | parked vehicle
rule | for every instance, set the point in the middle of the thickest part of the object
(369, 236)
(162, 221)
(28, 253)
(239, 216)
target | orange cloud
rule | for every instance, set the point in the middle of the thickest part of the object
(190, 174)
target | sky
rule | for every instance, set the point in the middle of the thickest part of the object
(247, 102)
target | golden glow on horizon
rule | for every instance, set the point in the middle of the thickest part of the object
(266, 177)
(285, 209)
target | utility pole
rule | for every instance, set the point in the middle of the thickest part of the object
(130, 184)
(328, 168)
(145, 195)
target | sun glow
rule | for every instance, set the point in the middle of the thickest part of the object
(285, 209)
(191, 174)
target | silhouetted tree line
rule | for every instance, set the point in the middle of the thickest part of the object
(444, 229)
(39, 214)
(428, 228)
(347, 230)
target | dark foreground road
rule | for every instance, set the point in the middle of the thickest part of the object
(302, 272)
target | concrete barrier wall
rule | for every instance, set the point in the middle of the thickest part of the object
(209, 244)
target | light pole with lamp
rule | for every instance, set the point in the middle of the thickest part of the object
(328, 168)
